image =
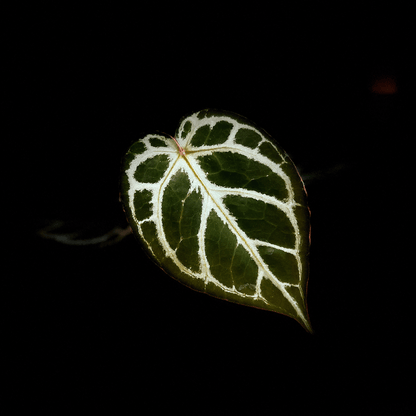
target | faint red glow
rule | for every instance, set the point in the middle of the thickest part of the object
(384, 85)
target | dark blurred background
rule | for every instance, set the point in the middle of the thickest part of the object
(334, 87)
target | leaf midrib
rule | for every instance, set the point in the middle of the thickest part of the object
(257, 258)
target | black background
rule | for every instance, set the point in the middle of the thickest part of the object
(82, 322)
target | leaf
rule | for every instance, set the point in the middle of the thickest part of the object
(222, 209)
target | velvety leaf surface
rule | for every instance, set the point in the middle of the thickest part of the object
(223, 210)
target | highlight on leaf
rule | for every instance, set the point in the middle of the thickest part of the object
(221, 208)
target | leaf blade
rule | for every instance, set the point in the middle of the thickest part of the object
(228, 216)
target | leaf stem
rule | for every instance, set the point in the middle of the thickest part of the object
(181, 151)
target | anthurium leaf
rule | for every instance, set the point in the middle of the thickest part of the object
(222, 209)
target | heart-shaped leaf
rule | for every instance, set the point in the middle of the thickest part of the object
(222, 209)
